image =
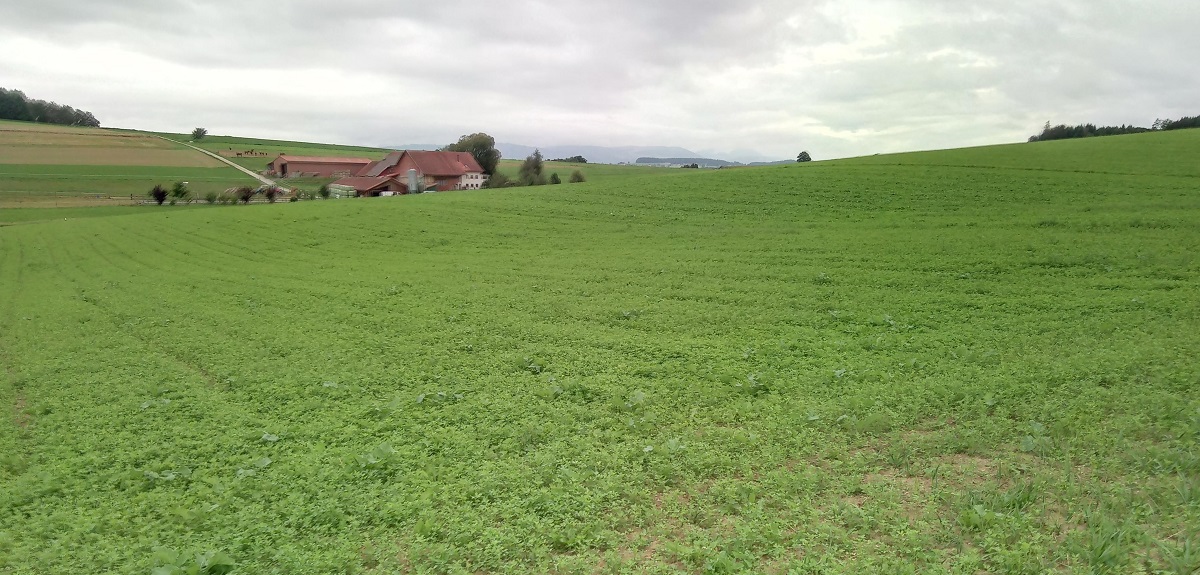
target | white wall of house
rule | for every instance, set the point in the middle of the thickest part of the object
(471, 181)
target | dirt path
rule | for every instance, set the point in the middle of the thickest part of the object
(254, 175)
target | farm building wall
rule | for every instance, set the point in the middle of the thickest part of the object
(295, 167)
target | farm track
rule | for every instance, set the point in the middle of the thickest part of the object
(224, 160)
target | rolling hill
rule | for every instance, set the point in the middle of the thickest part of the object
(966, 361)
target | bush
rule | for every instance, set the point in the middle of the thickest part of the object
(159, 194)
(211, 197)
(324, 192)
(271, 193)
(180, 191)
(245, 194)
(498, 180)
(554, 179)
(531, 170)
(577, 176)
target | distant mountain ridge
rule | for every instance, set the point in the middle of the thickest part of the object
(707, 162)
(605, 154)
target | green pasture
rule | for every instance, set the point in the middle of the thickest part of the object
(1158, 153)
(33, 182)
(593, 172)
(509, 166)
(272, 148)
(910, 365)
(27, 215)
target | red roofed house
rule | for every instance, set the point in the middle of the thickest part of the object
(435, 170)
(286, 166)
(367, 186)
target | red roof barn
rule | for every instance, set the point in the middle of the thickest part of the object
(435, 170)
(286, 166)
(367, 186)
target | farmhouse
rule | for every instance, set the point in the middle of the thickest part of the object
(286, 166)
(368, 186)
(435, 170)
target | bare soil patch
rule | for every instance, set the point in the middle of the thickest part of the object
(96, 156)
(30, 138)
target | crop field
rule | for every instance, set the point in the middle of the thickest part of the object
(266, 150)
(842, 367)
(47, 166)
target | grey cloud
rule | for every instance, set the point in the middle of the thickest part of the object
(771, 75)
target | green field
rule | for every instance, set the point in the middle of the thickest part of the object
(49, 166)
(970, 361)
(55, 166)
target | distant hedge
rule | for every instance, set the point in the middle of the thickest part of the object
(15, 105)
(1064, 132)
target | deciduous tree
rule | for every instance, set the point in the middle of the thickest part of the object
(482, 147)
(531, 170)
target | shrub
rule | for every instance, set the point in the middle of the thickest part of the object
(211, 197)
(245, 194)
(271, 193)
(324, 192)
(498, 180)
(577, 176)
(531, 170)
(554, 179)
(180, 191)
(159, 194)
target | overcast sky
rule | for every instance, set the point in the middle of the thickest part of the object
(741, 79)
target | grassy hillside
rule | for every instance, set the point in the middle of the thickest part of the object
(847, 367)
(1158, 153)
(56, 166)
(45, 165)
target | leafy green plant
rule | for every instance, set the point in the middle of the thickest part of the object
(531, 365)
(167, 561)
(1182, 558)
(1104, 546)
(1038, 440)
(381, 457)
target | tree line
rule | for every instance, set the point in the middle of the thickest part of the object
(532, 173)
(1064, 132)
(15, 105)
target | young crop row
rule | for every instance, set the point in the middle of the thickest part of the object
(781, 370)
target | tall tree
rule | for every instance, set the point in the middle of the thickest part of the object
(482, 147)
(15, 105)
(531, 170)
(804, 157)
(199, 133)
